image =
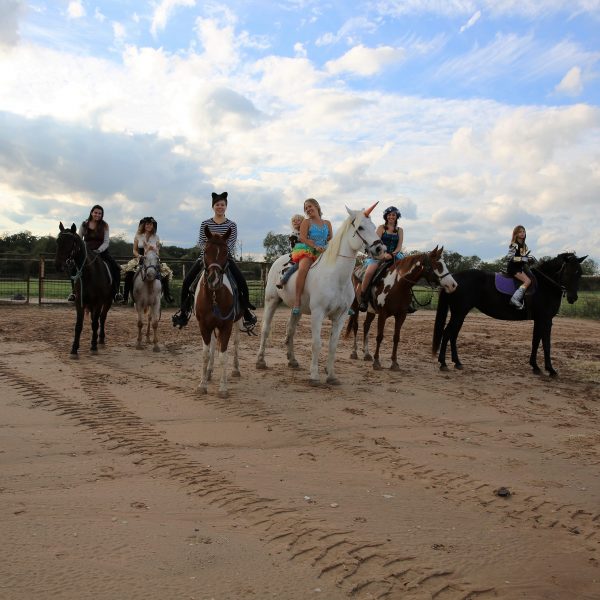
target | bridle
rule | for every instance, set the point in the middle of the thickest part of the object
(368, 247)
(145, 268)
(71, 258)
(560, 274)
(220, 271)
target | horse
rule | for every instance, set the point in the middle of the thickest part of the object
(327, 292)
(476, 289)
(216, 311)
(146, 292)
(92, 284)
(391, 296)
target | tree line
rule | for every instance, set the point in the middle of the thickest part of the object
(275, 244)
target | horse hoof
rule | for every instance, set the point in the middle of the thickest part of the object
(223, 394)
(261, 364)
(74, 356)
(209, 376)
(94, 351)
(377, 366)
(202, 389)
(293, 364)
(314, 382)
(536, 370)
(553, 373)
(354, 355)
(236, 374)
(394, 366)
(139, 346)
(333, 381)
(101, 342)
(367, 358)
(458, 366)
(156, 349)
(443, 367)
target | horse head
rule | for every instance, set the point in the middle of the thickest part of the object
(570, 274)
(364, 233)
(67, 246)
(440, 270)
(216, 254)
(150, 264)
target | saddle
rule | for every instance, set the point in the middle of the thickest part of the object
(507, 284)
(359, 272)
(237, 306)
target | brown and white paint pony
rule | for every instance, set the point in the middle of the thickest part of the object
(390, 296)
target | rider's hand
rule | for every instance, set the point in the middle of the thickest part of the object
(387, 256)
(524, 259)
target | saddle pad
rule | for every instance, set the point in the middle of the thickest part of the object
(359, 272)
(507, 284)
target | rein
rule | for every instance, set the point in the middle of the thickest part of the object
(71, 261)
(552, 281)
(215, 305)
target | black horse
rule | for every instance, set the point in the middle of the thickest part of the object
(476, 289)
(91, 284)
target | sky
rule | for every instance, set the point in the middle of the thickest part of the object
(470, 116)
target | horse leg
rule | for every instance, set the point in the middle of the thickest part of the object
(95, 316)
(380, 327)
(289, 341)
(456, 324)
(336, 330)
(366, 327)
(354, 325)
(78, 328)
(535, 344)
(398, 322)
(269, 311)
(211, 356)
(546, 327)
(103, 314)
(140, 326)
(236, 352)
(203, 385)
(316, 324)
(224, 336)
(155, 315)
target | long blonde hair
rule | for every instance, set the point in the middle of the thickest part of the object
(515, 233)
(316, 204)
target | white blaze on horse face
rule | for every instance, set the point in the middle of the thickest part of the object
(446, 280)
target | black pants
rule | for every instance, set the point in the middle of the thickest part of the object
(115, 270)
(236, 274)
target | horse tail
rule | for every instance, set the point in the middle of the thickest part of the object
(440, 321)
(352, 324)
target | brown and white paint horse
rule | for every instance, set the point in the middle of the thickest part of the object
(216, 313)
(390, 296)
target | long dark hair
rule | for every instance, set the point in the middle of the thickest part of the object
(102, 224)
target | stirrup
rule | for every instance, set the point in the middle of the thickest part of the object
(180, 319)
(296, 311)
(118, 298)
(71, 297)
(363, 303)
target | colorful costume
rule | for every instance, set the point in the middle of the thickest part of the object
(317, 234)
(517, 258)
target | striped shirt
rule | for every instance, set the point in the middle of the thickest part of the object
(220, 228)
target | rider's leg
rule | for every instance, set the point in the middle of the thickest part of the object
(249, 318)
(127, 288)
(166, 289)
(181, 317)
(303, 267)
(363, 302)
(286, 276)
(115, 271)
(517, 298)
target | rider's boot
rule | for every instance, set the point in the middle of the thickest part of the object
(128, 285)
(517, 297)
(182, 316)
(249, 321)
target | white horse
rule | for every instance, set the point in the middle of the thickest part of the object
(147, 291)
(327, 292)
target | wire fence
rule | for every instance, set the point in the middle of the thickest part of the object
(35, 280)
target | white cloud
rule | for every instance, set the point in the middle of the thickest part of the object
(119, 31)
(350, 32)
(75, 10)
(163, 12)
(365, 61)
(99, 16)
(299, 50)
(571, 84)
(471, 21)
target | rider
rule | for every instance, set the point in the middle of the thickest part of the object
(95, 232)
(291, 267)
(518, 259)
(392, 236)
(146, 240)
(219, 224)
(315, 233)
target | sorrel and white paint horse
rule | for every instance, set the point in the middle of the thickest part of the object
(147, 291)
(327, 292)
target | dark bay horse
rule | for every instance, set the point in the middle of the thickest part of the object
(391, 297)
(476, 289)
(92, 284)
(216, 311)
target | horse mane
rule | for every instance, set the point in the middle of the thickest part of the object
(554, 262)
(333, 248)
(409, 261)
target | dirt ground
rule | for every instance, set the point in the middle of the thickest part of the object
(118, 480)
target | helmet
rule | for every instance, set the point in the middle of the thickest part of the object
(389, 210)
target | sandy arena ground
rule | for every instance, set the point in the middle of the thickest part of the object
(119, 481)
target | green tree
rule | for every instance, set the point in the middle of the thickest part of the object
(275, 244)
(457, 262)
(590, 267)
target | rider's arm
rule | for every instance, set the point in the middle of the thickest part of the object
(232, 239)
(330, 229)
(400, 241)
(106, 241)
(513, 254)
(157, 242)
(136, 251)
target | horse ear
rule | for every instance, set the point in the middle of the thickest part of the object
(207, 232)
(61, 227)
(227, 234)
(435, 250)
(582, 258)
(73, 227)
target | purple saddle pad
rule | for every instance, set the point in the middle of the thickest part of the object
(506, 284)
